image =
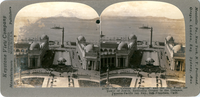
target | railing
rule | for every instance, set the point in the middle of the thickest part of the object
(91, 54)
(179, 55)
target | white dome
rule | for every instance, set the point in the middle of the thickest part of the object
(81, 38)
(89, 47)
(169, 38)
(35, 46)
(42, 45)
(30, 42)
(122, 45)
(176, 48)
(44, 37)
(130, 45)
(132, 36)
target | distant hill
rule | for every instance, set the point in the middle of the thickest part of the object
(162, 27)
(111, 27)
(74, 27)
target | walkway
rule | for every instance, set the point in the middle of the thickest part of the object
(145, 81)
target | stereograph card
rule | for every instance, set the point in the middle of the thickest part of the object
(100, 48)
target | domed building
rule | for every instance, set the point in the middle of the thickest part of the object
(169, 40)
(117, 52)
(42, 45)
(44, 37)
(35, 46)
(122, 46)
(175, 53)
(87, 54)
(81, 39)
(89, 48)
(132, 37)
(32, 51)
(177, 48)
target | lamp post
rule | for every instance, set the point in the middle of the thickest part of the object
(62, 36)
(107, 82)
(146, 27)
(20, 80)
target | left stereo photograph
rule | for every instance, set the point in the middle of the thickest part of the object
(56, 45)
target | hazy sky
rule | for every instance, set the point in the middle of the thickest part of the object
(65, 9)
(31, 13)
(143, 8)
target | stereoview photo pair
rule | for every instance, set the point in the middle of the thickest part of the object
(134, 44)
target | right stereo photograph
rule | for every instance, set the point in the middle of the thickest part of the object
(142, 44)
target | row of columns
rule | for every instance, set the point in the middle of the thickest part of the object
(90, 63)
(108, 61)
(114, 61)
(180, 63)
(35, 64)
(175, 63)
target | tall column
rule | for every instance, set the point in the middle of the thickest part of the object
(116, 62)
(29, 63)
(173, 64)
(127, 61)
(103, 62)
(95, 65)
(62, 39)
(183, 67)
(86, 65)
(124, 61)
(180, 66)
(106, 61)
(151, 38)
(119, 62)
(39, 62)
(109, 62)
(91, 65)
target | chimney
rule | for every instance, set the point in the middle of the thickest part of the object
(62, 38)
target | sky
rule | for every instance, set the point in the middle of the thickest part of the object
(142, 9)
(65, 9)
(31, 13)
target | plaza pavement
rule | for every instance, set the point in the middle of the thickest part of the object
(145, 81)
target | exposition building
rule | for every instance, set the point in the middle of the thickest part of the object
(116, 52)
(87, 54)
(30, 53)
(175, 53)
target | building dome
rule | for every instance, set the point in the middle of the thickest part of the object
(89, 47)
(122, 45)
(169, 38)
(30, 42)
(132, 36)
(42, 45)
(35, 46)
(130, 45)
(81, 38)
(176, 48)
(44, 37)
